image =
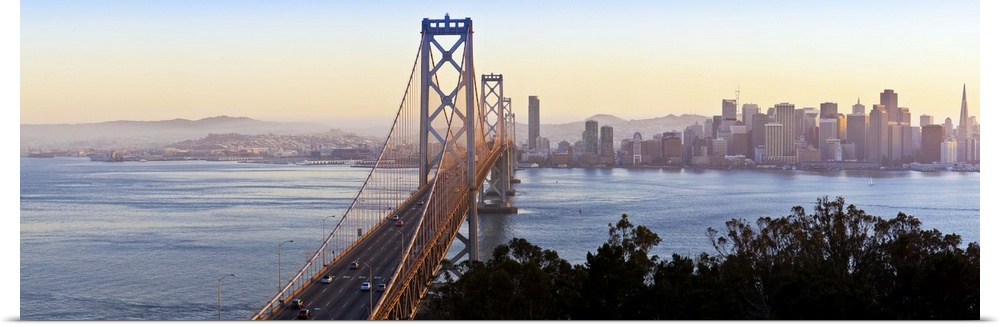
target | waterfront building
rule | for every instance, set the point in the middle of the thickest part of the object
(607, 141)
(948, 151)
(931, 138)
(534, 130)
(740, 143)
(719, 147)
(895, 141)
(856, 133)
(672, 148)
(784, 114)
(878, 134)
(774, 139)
(833, 147)
(827, 132)
(757, 133)
(590, 137)
(691, 133)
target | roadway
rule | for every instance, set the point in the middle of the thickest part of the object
(343, 298)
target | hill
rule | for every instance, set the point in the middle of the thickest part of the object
(153, 133)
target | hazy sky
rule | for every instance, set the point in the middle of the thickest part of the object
(330, 61)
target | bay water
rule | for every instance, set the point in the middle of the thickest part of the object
(151, 240)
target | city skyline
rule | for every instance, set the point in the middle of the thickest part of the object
(165, 60)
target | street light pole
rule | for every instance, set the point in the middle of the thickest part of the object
(401, 249)
(370, 285)
(279, 266)
(220, 293)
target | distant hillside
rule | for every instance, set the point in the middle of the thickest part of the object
(154, 133)
(623, 129)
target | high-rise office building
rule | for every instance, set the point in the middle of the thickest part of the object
(828, 110)
(962, 133)
(533, 124)
(926, 120)
(716, 126)
(740, 144)
(931, 138)
(810, 127)
(827, 132)
(775, 138)
(590, 137)
(948, 150)
(749, 109)
(784, 114)
(607, 141)
(949, 129)
(757, 133)
(728, 118)
(858, 108)
(890, 100)
(856, 132)
(800, 121)
(878, 134)
(691, 133)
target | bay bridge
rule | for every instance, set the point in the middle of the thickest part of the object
(449, 153)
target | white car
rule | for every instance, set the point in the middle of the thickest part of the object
(326, 279)
(395, 217)
(366, 286)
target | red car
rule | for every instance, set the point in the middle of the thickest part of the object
(399, 223)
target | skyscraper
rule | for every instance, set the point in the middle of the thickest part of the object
(828, 110)
(889, 99)
(757, 132)
(926, 120)
(533, 127)
(878, 133)
(607, 141)
(856, 133)
(827, 131)
(963, 132)
(858, 108)
(784, 114)
(590, 136)
(931, 138)
(749, 109)
(728, 118)
(949, 129)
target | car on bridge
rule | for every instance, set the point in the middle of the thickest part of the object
(395, 217)
(366, 286)
(296, 303)
(354, 265)
(380, 288)
(399, 223)
(303, 314)
(420, 203)
(326, 279)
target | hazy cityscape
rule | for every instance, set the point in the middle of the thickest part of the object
(328, 160)
(886, 136)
